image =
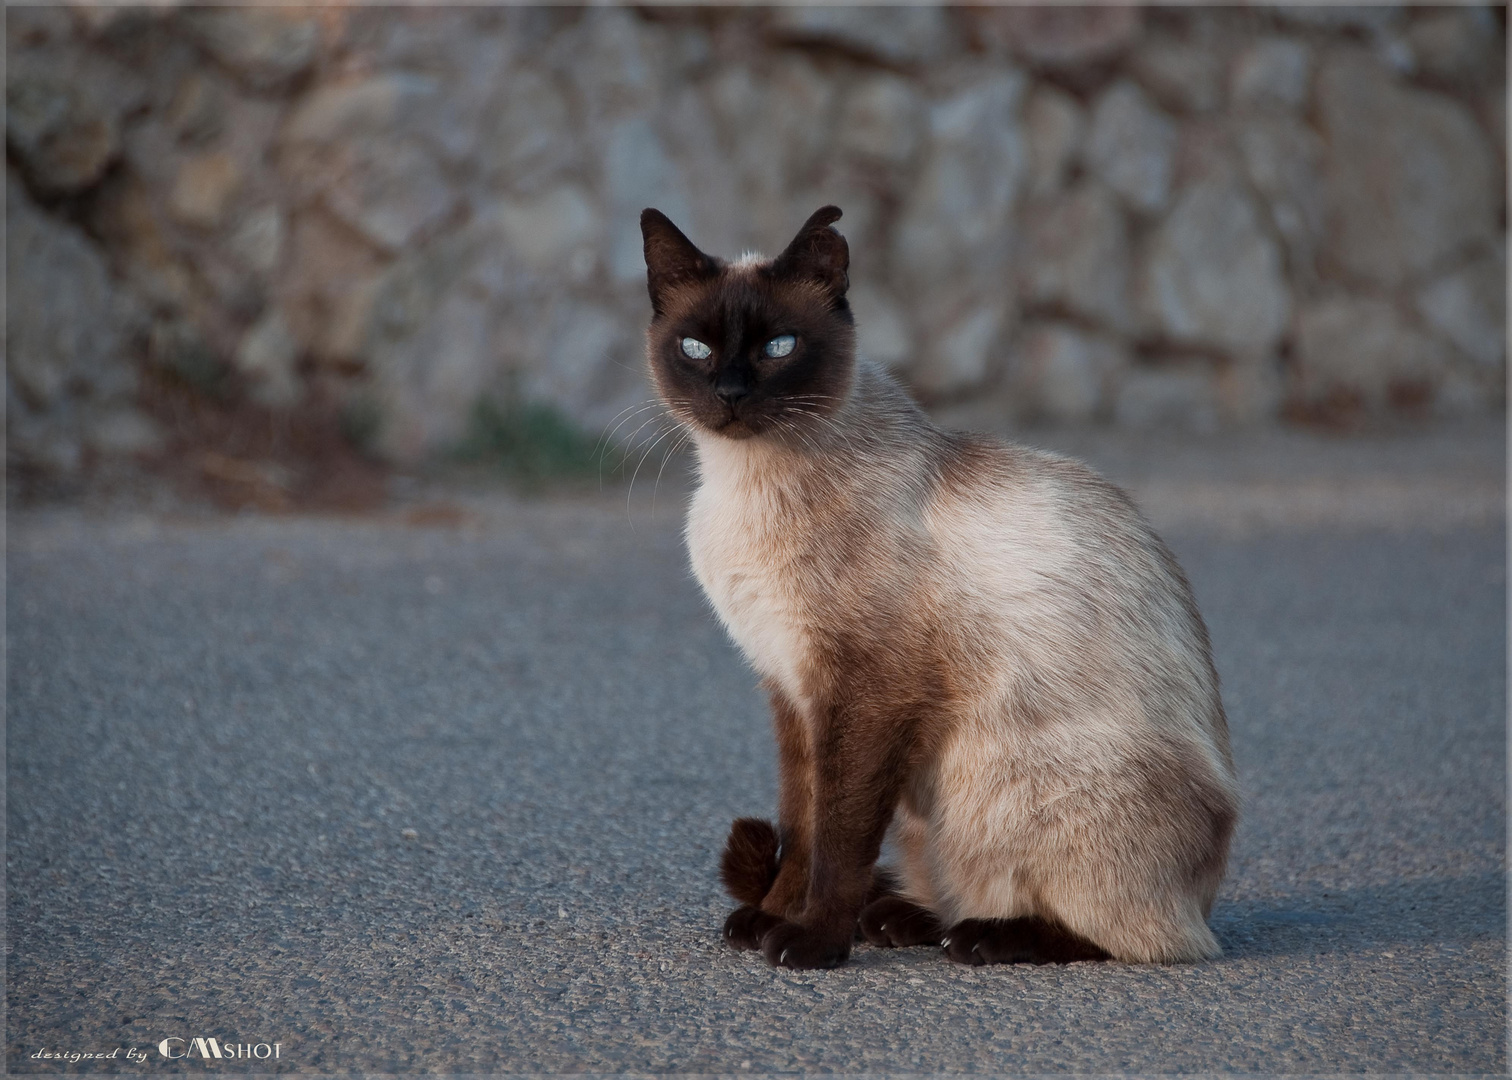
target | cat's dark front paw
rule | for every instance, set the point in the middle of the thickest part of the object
(746, 925)
(1017, 941)
(891, 922)
(790, 945)
(987, 941)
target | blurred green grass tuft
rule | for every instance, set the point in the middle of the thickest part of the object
(533, 444)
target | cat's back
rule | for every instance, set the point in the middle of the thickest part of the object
(1033, 520)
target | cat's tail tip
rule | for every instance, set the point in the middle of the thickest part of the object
(749, 863)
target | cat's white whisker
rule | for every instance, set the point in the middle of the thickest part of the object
(655, 418)
(602, 446)
(649, 449)
(624, 416)
(677, 444)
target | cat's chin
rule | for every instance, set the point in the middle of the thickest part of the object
(734, 428)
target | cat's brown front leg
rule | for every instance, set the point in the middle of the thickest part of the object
(795, 810)
(788, 892)
(860, 763)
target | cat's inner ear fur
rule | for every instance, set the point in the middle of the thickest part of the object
(818, 253)
(671, 258)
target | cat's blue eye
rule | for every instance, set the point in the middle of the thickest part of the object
(695, 349)
(780, 345)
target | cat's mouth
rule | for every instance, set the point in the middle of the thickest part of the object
(728, 420)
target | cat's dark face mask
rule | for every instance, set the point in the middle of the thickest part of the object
(754, 347)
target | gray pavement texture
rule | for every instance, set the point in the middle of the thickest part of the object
(451, 799)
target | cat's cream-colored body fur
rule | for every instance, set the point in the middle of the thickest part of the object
(1079, 768)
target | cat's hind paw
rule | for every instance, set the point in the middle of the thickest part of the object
(892, 922)
(746, 925)
(749, 863)
(1028, 940)
(790, 945)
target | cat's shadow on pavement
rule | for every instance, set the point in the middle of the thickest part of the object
(1416, 911)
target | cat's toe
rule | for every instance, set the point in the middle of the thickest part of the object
(746, 925)
(893, 922)
(790, 945)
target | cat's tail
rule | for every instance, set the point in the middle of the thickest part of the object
(749, 863)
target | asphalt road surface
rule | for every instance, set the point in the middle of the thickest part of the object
(450, 795)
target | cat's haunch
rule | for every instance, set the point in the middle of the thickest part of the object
(981, 648)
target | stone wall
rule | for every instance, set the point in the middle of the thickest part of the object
(1193, 218)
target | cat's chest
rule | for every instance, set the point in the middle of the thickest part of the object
(751, 567)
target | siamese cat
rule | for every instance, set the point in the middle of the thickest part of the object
(981, 647)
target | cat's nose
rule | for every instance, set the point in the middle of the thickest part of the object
(730, 390)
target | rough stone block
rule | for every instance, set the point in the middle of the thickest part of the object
(554, 233)
(68, 327)
(1271, 72)
(1077, 257)
(1160, 399)
(204, 188)
(266, 357)
(1055, 126)
(1359, 355)
(882, 331)
(959, 214)
(1061, 38)
(264, 47)
(881, 120)
(1409, 175)
(1185, 75)
(70, 352)
(63, 134)
(1063, 373)
(1130, 146)
(1283, 160)
(1457, 45)
(1212, 275)
(963, 355)
(1468, 306)
(895, 35)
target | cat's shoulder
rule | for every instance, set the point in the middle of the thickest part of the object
(968, 459)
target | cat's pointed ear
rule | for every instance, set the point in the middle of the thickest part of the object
(817, 253)
(671, 258)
